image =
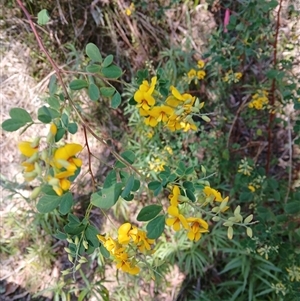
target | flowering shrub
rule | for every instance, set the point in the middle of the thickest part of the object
(195, 199)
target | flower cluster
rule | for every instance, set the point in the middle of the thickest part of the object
(159, 161)
(175, 113)
(259, 100)
(130, 9)
(61, 162)
(65, 165)
(197, 74)
(195, 226)
(245, 167)
(124, 249)
(294, 273)
(231, 77)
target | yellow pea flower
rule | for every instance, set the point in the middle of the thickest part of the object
(213, 193)
(143, 96)
(177, 219)
(174, 196)
(27, 149)
(126, 232)
(197, 227)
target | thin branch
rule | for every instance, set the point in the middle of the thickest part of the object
(89, 157)
(272, 92)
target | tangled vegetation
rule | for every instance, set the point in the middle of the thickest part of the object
(198, 175)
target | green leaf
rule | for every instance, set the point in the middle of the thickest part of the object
(66, 203)
(156, 227)
(48, 203)
(189, 170)
(116, 100)
(93, 92)
(74, 229)
(11, 125)
(44, 114)
(73, 219)
(190, 195)
(188, 185)
(110, 179)
(104, 252)
(107, 61)
(156, 186)
(112, 71)
(59, 134)
(53, 102)
(43, 17)
(107, 91)
(52, 85)
(60, 235)
(292, 207)
(72, 128)
(20, 115)
(148, 213)
(107, 197)
(128, 187)
(93, 52)
(93, 68)
(78, 84)
(128, 156)
(91, 235)
(136, 185)
(65, 119)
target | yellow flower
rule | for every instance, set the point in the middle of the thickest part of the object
(128, 10)
(201, 74)
(64, 157)
(143, 96)
(53, 129)
(151, 120)
(28, 166)
(169, 150)
(124, 264)
(162, 113)
(157, 165)
(27, 149)
(177, 220)
(150, 134)
(59, 185)
(186, 126)
(238, 75)
(259, 100)
(200, 64)
(143, 242)
(212, 193)
(174, 196)
(197, 227)
(126, 232)
(110, 245)
(192, 73)
(251, 187)
(177, 98)
(174, 123)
